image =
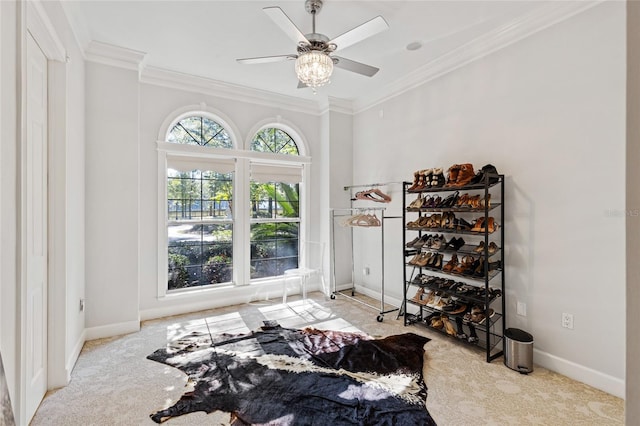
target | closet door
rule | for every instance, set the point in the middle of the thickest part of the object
(35, 227)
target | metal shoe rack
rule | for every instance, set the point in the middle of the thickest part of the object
(435, 281)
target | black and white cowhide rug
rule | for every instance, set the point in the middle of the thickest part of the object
(281, 376)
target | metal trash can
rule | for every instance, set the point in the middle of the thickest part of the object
(518, 350)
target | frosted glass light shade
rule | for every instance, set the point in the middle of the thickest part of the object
(314, 68)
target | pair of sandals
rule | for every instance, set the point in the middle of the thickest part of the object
(492, 248)
(473, 202)
(427, 260)
(478, 315)
(481, 225)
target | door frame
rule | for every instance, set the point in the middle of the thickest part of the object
(33, 19)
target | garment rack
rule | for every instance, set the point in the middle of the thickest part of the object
(336, 213)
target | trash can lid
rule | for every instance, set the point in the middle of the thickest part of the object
(518, 335)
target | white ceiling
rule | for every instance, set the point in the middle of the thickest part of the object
(204, 38)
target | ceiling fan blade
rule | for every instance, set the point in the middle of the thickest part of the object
(266, 59)
(282, 20)
(359, 33)
(357, 67)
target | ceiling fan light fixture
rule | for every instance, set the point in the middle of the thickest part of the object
(314, 68)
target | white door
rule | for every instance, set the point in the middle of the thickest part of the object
(36, 227)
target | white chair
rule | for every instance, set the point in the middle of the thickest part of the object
(311, 259)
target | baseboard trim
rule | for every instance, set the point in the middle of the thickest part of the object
(188, 303)
(597, 379)
(111, 330)
(75, 354)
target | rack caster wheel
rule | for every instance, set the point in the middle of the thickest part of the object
(380, 318)
(333, 296)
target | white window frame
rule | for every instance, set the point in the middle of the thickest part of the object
(241, 221)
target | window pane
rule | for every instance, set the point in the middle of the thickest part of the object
(200, 252)
(198, 195)
(274, 140)
(274, 248)
(197, 130)
(274, 200)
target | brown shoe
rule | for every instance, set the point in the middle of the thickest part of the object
(416, 181)
(452, 175)
(465, 174)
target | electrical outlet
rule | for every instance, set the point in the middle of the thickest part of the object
(567, 320)
(521, 309)
(366, 271)
(81, 305)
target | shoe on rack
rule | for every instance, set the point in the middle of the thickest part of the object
(451, 263)
(487, 173)
(432, 202)
(486, 202)
(448, 327)
(423, 259)
(427, 297)
(437, 178)
(417, 180)
(454, 307)
(452, 175)
(465, 175)
(463, 225)
(418, 296)
(412, 242)
(473, 337)
(426, 178)
(438, 242)
(417, 203)
(473, 202)
(493, 248)
(415, 258)
(479, 270)
(458, 244)
(479, 248)
(462, 201)
(450, 201)
(420, 241)
(460, 331)
(492, 226)
(478, 225)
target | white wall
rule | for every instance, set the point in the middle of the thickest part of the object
(111, 203)
(549, 113)
(124, 118)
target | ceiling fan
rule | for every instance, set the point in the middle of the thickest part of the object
(314, 58)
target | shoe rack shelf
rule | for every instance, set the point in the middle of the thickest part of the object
(466, 303)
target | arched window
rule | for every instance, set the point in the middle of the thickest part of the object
(199, 130)
(275, 207)
(199, 207)
(274, 140)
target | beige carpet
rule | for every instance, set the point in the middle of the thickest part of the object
(114, 384)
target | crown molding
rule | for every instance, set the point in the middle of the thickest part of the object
(541, 18)
(191, 83)
(344, 106)
(115, 56)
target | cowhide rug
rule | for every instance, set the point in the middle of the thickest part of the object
(280, 376)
